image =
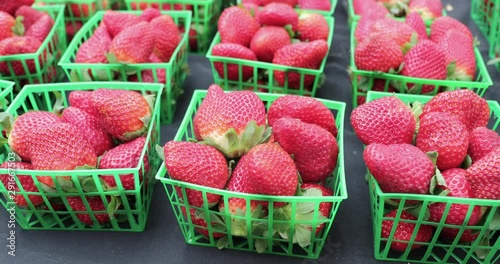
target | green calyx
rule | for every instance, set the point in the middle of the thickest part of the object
(113, 206)
(18, 28)
(239, 225)
(290, 31)
(417, 109)
(135, 134)
(58, 107)
(6, 123)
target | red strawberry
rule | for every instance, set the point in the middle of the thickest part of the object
(233, 50)
(291, 3)
(279, 15)
(368, 8)
(428, 9)
(41, 28)
(237, 25)
(170, 6)
(464, 104)
(312, 26)
(404, 231)
(303, 55)
(442, 24)
(415, 21)
(10, 6)
(116, 21)
(252, 9)
(90, 126)
(133, 44)
(150, 14)
(72, 28)
(95, 204)
(482, 141)
(325, 5)
(315, 150)
(193, 41)
(223, 119)
(444, 133)
(198, 164)
(484, 176)
(458, 186)
(459, 49)
(83, 9)
(267, 41)
(126, 155)
(167, 37)
(147, 75)
(198, 219)
(378, 53)
(386, 120)
(124, 114)
(19, 45)
(94, 49)
(30, 15)
(364, 26)
(255, 2)
(81, 100)
(10, 185)
(7, 25)
(394, 29)
(308, 110)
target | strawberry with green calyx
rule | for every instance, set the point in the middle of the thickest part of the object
(237, 25)
(9, 26)
(20, 45)
(404, 231)
(415, 21)
(232, 50)
(267, 40)
(482, 141)
(312, 26)
(484, 176)
(231, 122)
(378, 53)
(428, 9)
(279, 15)
(28, 15)
(133, 44)
(92, 208)
(167, 37)
(404, 35)
(93, 50)
(252, 8)
(396, 7)
(26, 181)
(11, 6)
(116, 22)
(460, 57)
(198, 218)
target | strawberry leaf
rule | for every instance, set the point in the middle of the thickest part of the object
(433, 155)
(47, 188)
(467, 162)
(18, 28)
(161, 153)
(222, 242)
(113, 206)
(290, 31)
(83, 76)
(6, 121)
(261, 245)
(481, 251)
(495, 222)
(493, 61)
(417, 210)
(302, 235)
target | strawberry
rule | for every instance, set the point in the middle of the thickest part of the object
(459, 50)
(41, 28)
(325, 208)
(291, 3)
(267, 41)
(94, 49)
(425, 60)
(231, 122)
(428, 9)
(378, 85)
(415, 21)
(303, 55)
(378, 53)
(72, 28)
(314, 148)
(63, 147)
(198, 219)
(325, 5)
(233, 50)
(404, 231)
(442, 24)
(308, 110)
(444, 133)
(7, 26)
(484, 176)
(27, 184)
(124, 114)
(237, 25)
(198, 164)
(115, 22)
(386, 120)
(279, 15)
(458, 186)
(167, 37)
(312, 27)
(126, 155)
(134, 45)
(90, 126)
(19, 132)
(19, 45)
(482, 141)
(83, 9)
(85, 214)
(368, 8)
(147, 75)
(364, 26)
(10, 6)
(81, 100)
(396, 30)
(472, 110)
(149, 14)
(252, 8)
(30, 15)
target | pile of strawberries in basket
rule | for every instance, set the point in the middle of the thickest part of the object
(298, 137)
(428, 9)
(325, 5)
(102, 129)
(443, 148)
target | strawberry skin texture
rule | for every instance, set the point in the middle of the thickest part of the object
(404, 231)
(150, 14)
(19, 45)
(198, 221)
(10, 6)
(115, 22)
(442, 24)
(167, 37)
(315, 150)
(81, 100)
(482, 141)
(30, 15)
(126, 155)
(134, 44)
(444, 133)
(367, 8)
(291, 3)
(41, 28)
(25, 180)
(124, 114)
(325, 5)
(6, 24)
(428, 9)
(237, 25)
(308, 110)
(198, 164)
(325, 208)
(378, 53)
(147, 75)
(233, 50)
(279, 15)
(386, 120)
(484, 176)
(459, 49)
(95, 203)
(267, 41)
(312, 27)
(399, 168)
(94, 49)
(396, 30)
(415, 21)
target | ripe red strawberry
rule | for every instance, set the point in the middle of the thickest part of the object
(312, 26)
(251, 8)
(116, 21)
(83, 9)
(198, 164)
(378, 53)
(267, 41)
(7, 24)
(81, 100)
(193, 41)
(444, 133)
(303, 55)
(315, 150)
(198, 219)
(428, 9)
(124, 114)
(147, 75)
(94, 49)
(72, 28)
(237, 25)
(10, 6)
(167, 37)
(425, 60)
(233, 50)
(386, 120)
(325, 5)
(135, 44)
(484, 176)
(442, 24)
(308, 110)
(394, 29)
(458, 186)
(90, 126)
(126, 155)
(291, 3)
(95, 205)
(404, 231)
(415, 21)
(41, 28)
(279, 15)
(223, 119)
(368, 8)
(150, 14)
(9, 183)
(64, 148)
(459, 49)
(30, 15)
(19, 45)
(482, 141)
(464, 104)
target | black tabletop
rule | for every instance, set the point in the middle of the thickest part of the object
(350, 239)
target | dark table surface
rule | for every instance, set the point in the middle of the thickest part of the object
(350, 239)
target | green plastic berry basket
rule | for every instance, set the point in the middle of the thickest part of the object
(326, 13)
(367, 78)
(176, 68)
(205, 14)
(485, 249)
(54, 213)
(259, 68)
(45, 59)
(6, 94)
(266, 244)
(485, 14)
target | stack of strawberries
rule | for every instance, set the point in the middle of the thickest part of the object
(291, 152)
(441, 149)
(324, 5)
(102, 129)
(428, 9)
